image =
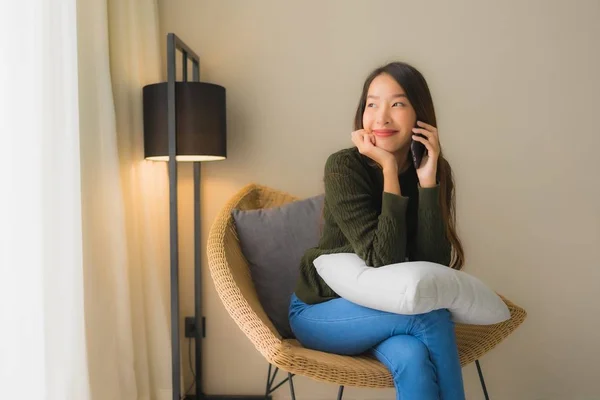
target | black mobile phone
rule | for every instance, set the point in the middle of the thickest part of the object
(418, 150)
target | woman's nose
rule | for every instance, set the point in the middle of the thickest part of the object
(383, 116)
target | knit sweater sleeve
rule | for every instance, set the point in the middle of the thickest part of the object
(379, 238)
(431, 243)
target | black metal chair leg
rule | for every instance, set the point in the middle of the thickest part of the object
(340, 392)
(290, 376)
(268, 389)
(485, 393)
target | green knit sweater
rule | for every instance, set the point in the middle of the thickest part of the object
(381, 228)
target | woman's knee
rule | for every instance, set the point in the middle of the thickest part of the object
(441, 314)
(409, 361)
(435, 318)
(403, 354)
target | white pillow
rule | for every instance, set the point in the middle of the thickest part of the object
(413, 287)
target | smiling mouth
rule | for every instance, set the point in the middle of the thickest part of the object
(384, 132)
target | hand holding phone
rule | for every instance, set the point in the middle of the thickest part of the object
(425, 150)
(417, 150)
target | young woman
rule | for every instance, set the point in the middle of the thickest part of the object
(379, 206)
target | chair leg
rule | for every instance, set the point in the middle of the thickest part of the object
(290, 376)
(290, 379)
(268, 389)
(485, 393)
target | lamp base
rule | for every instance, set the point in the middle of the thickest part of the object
(227, 397)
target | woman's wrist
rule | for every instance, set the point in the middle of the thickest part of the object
(391, 183)
(390, 169)
(428, 183)
(428, 179)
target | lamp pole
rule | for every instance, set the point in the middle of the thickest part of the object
(174, 236)
(174, 44)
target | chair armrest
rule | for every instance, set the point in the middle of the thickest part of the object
(231, 275)
(475, 340)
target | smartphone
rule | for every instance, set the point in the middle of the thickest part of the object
(418, 150)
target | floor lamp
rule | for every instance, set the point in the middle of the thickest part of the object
(185, 121)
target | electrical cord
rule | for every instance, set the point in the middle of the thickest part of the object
(191, 369)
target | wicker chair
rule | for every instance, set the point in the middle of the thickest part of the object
(230, 272)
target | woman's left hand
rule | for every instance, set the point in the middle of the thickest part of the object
(428, 168)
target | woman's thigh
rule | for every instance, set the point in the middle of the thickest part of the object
(342, 327)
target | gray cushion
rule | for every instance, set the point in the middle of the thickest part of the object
(273, 241)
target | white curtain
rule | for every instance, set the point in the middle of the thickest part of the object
(136, 62)
(83, 218)
(42, 332)
(125, 207)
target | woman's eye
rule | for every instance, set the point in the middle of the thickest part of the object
(371, 105)
(398, 104)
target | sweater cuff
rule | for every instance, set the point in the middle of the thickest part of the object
(428, 197)
(393, 205)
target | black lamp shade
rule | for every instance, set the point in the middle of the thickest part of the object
(201, 122)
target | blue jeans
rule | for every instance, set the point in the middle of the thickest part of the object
(419, 350)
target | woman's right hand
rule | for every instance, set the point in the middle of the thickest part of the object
(365, 142)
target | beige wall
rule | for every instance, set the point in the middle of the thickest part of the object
(516, 86)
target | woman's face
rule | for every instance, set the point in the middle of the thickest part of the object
(388, 115)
